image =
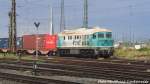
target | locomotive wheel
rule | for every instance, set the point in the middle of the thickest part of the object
(106, 56)
(50, 54)
(39, 53)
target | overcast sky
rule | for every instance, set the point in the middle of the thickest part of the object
(126, 18)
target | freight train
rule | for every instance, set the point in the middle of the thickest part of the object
(83, 42)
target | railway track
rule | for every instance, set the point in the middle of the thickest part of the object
(94, 61)
(100, 71)
(113, 60)
(126, 67)
(31, 79)
(87, 60)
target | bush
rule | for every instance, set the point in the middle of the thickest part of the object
(132, 53)
(144, 49)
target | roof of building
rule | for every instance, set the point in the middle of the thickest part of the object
(84, 31)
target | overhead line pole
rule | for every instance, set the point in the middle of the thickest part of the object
(130, 24)
(85, 17)
(51, 23)
(12, 28)
(14, 25)
(62, 18)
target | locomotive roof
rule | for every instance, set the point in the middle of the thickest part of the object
(84, 31)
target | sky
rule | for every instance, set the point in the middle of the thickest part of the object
(128, 19)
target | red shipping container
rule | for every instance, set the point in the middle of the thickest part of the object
(45, 42)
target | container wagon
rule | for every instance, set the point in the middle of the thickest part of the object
(46, 44)
(4, 42)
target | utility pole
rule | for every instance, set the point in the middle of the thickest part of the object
(62, 18)
(85, 17)
(12, 28)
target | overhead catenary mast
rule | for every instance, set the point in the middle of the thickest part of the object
(51, 23)
(62, 18)
(85, 16)
(130, 25)
(12, 27)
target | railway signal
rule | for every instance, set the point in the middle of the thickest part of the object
(37, 24)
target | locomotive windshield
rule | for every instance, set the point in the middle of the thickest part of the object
(101, 35)
(108, 35)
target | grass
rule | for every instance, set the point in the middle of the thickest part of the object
(15, 57)
(142, 54)
(8, 56)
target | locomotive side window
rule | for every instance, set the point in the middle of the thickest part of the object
(100, 35)
(108, 35)
(80, 37)
(68, 37)
(94, 36)
(87, 36)
(77, 37)
(71, 37)
(64, 37)
(88, 43)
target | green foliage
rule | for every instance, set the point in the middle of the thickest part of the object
(133, 54)
(15, 57)
(144, 49)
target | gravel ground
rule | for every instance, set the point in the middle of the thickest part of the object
(4, 81)
(66, 78)
(77, 79)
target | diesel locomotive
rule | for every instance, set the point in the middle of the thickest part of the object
(91, 42)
